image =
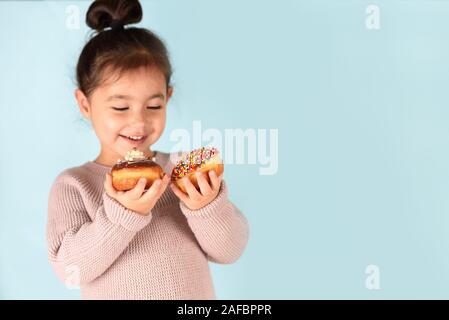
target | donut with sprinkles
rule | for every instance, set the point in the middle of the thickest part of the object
(202, 159)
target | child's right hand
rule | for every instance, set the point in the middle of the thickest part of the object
(133, 199)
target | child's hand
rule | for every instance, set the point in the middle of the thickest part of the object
(133, 199)
(195, 199)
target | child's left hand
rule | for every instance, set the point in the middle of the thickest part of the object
(195, 199)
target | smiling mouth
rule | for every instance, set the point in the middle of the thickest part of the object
(134, 138)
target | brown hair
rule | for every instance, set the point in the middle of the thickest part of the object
(116, 48)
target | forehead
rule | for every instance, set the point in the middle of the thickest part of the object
(143, 80)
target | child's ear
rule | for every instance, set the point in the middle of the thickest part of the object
(169, 92)
(83, 103)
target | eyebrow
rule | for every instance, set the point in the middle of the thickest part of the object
(127, 97)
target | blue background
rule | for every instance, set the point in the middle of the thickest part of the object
(363, 126)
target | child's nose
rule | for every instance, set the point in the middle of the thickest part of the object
(138, 118)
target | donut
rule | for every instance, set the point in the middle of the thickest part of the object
(202, 159)
(126, 173)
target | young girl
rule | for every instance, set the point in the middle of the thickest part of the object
(135, 244)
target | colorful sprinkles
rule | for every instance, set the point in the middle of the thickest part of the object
(193, 160)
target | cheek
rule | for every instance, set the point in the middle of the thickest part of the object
(109, 125)
(157, 120)
(161, 121)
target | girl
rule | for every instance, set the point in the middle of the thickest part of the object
(134, 244)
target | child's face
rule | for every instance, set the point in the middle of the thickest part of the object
(143, 97)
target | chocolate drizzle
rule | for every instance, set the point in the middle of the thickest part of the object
(135, 164)
(135, 159)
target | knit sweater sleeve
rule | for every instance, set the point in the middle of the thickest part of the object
(80, 248)
(220, 228)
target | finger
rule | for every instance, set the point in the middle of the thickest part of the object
(168, 179)
(190, 188)
(181, 195)
(214, 179)
(203, 183)
(136, 192)
(153, 191)
(164, 184)
(108, 186)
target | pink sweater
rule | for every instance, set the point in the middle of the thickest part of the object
(111, 252)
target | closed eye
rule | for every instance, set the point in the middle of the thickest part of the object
(149, 107)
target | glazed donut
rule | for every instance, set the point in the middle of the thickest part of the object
(203, 159)
(126, 173)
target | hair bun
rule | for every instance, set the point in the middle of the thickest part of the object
(102, 13)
